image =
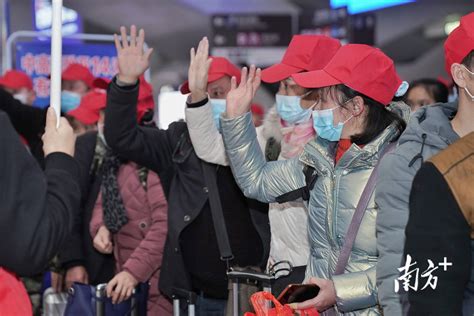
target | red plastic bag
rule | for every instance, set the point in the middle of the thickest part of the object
(13, 297)
(261, 302)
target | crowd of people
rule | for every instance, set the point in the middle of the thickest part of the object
(359, 181)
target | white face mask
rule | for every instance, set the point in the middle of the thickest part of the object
(290, 110)
(218, 107)
(323, 124)
(23, 98)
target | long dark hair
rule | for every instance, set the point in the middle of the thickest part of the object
(378, 117)
(435, 89)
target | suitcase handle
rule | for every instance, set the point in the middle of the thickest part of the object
(250, 275)
(182, 294)
(190, 297)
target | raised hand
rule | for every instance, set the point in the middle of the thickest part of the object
(198, 70)
(240, 97)
(133, 61)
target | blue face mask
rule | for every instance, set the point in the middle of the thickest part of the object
(323, 123)
(69, 101)
(218, 107)
(290, 110)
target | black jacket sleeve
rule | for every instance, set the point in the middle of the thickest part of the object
(437, 229)
(148, 147)
(37, 208)
(27, 120)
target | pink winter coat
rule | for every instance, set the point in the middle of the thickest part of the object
(138, 246)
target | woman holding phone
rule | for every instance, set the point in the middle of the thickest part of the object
(356, 122)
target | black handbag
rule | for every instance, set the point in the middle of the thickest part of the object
(240, 289)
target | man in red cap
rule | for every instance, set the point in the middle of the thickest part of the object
(18, 84)
(192, 257)
(77, 80)
(430, 130)
(212, 87)
(285, 131)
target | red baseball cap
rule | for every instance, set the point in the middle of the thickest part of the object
(88, 111)
(15, 79)
(460, 42)
(360, 67)
(220, 67)
(78, 72)
(101, 83)
(305, 53)
(257, 109)
(145, 98)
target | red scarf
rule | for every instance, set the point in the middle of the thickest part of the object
(342, 147)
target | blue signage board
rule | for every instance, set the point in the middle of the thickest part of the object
(34, 59)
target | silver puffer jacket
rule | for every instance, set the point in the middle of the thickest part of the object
(331, 206)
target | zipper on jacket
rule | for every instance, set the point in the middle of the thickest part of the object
(335, 183)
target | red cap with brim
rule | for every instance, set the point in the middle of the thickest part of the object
(460, 42)
(78, 72)
(220, 67)
(88, 112)
(315, 79)
(14, 79)
(304, 53)
(362, 68)
(279, 72)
